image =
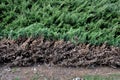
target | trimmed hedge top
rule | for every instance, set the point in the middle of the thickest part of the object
(85, 21)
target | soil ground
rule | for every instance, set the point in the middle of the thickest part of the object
(52, 73)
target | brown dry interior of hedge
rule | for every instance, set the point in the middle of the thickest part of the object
(29, 51)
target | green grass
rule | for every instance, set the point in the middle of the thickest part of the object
(90, 21)
(35, 77)
(101, 77)
(87, 77)
(16, 78)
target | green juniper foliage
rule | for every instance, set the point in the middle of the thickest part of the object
(90, 21)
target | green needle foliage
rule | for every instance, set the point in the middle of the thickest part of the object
(88, 21)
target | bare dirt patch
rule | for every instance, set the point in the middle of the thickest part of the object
(27, 52)
(53, 73)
